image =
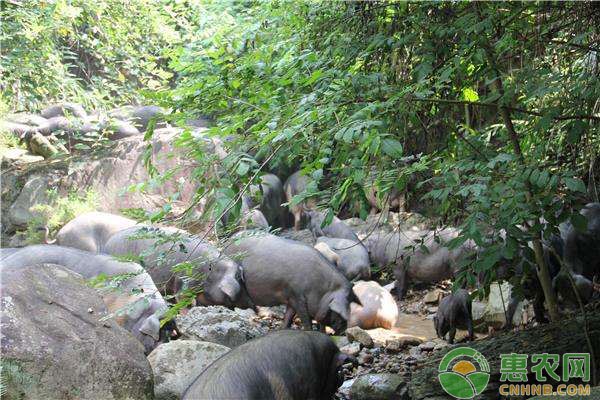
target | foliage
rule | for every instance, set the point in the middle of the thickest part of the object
(93, 52)
(57, 212)
(8, 141)
(497, 102)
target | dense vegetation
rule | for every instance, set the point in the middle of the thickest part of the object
(496, 102)
(485, 115)
(94, 52)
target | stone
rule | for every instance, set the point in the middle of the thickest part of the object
(34, 192)
(356, 334)
(177, 363)
(491, 313)
(42, 146)
(432, 310)
(365, 358)
(20, 239)
(17, 155)
(53, 348)
(220, 325)
(26, 119)
(433, 296)
(497, 304)
(108, 174)
(271, 312)
(416, 353)
(344, 390)
(379, 387)
(340, 341)
(401, 342)
(352, 349)
(478, 311)
(427, 346)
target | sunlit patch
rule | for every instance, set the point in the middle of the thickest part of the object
(464, 367)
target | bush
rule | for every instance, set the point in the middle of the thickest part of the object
(57, 213)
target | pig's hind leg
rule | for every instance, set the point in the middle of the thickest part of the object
(288, 317)
(298, 303)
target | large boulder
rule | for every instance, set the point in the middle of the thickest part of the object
(177, 363)
(108, 173)
(220, 325)
(57, 343)
(492, 313)
(379, 387)
(33, 192)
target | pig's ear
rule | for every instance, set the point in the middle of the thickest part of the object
(151, 327)
(340, 306)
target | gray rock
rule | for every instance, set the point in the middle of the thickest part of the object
(34, 192)
(344, 390)
(433, 296)
(379, 387)
(27, 119)
(107, 175)
(18, 240)
(365, 358)
(177, 363)
(19, 156)
(427, 346)
(356, 334)
(352, 349)
(416, 353)
(399, 343)
(220, 325)
(57, 344)
(491, 313)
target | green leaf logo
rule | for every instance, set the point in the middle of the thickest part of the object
(459, 375)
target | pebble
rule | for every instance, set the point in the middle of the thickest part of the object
(356, 334)
(352, 349)
(427, 346)
(365, 358)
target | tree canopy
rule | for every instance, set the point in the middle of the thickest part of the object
(485, 114)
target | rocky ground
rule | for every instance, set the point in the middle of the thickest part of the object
(386, 358)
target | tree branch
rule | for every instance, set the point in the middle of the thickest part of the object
(513, 109)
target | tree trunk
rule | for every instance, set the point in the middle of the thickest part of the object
(543, 271)
(566, 336)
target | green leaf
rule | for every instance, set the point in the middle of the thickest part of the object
(392, 148)
(579, 222)
(469, 95)
(242, 168)
(575, 130)
(575, 185)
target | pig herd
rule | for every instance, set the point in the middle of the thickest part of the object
(328, 283)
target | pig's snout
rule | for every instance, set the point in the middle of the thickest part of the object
(231, 288)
